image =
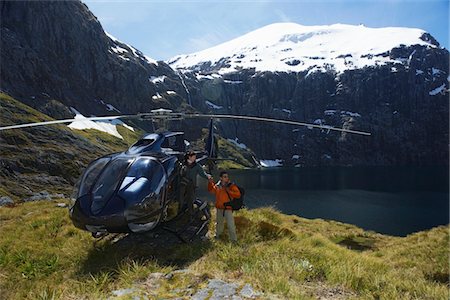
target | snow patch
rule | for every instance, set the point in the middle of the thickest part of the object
(319, 121)
(171, 92)
(155, 79)
(151, 60)
(110, 107)
(235, 141)
(233, 81)
(157, 96)
(438, 90)
(418, 72)
(207, 77)
(119, 50)
(269, 163)
(435, 71)
(351, 114)
(212, 105)
(104, 125)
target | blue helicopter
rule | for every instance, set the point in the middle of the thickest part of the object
(138, 190)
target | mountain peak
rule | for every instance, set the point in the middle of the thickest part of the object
(292, 47)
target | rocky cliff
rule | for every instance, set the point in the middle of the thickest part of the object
(398, 93)
(58, 50)
(55, 55)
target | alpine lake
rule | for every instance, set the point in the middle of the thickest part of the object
(389, 200)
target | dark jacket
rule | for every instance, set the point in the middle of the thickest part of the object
(190, 172)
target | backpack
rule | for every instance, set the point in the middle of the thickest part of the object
(236, 203)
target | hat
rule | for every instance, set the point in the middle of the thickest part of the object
(189, 153)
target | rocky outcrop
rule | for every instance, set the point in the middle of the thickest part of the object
(58, 51)
(55, 55)
(404, 105)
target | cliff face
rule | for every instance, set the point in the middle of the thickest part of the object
(405, 110)
(400, 95)
(58, 50)
(55, 55)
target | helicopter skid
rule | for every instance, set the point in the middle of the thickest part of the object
(137, 228)
(95, 229)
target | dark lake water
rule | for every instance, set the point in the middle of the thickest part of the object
(390, 200)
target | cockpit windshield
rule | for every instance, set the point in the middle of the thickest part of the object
(145, 178)
(107, 183)
(91, 174)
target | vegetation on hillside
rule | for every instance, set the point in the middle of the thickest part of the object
(48, 158)
(229, 154)
(51, 158)
(42, 256)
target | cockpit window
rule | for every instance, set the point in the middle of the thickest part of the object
(174, 143)
(91, 174)
(107, 183)
(144, 142)
(145, 178)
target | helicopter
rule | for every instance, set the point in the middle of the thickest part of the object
(137, 190)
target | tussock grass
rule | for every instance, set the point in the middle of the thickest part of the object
(50, 157)
(42, 256)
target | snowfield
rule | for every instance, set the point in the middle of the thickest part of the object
(290, 47)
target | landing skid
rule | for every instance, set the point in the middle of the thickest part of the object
(187, 229)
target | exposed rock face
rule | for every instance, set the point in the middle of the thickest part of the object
(404, 105)
(56, 54)
(58, 50)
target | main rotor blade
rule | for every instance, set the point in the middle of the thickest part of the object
(154, 115)
(63, 121)
(274, 121)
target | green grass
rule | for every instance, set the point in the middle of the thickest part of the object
(37, 157)
(42, 256)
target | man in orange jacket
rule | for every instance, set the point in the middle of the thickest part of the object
(224, 191)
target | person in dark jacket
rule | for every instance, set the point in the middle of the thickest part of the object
(189, 171)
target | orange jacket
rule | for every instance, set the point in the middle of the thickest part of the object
(221, 193)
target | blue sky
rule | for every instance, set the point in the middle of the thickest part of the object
(163, 29)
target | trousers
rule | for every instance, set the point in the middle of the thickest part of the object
(187, 197)
(228, 215)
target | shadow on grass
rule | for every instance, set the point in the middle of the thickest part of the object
(357, 243)
(157, 246)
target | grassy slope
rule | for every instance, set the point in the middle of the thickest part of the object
(42, 255)
(50, 157)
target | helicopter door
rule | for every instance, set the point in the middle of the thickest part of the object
(142, 189)
(144, 179)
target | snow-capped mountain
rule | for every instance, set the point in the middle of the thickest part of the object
(56, 55)
(392, 82)
(290, 47)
